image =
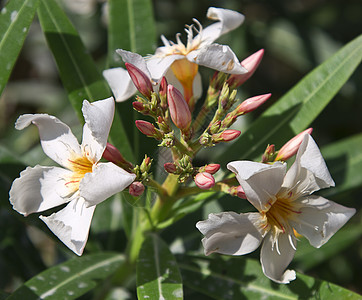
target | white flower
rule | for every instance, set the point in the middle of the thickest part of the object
(82, 183)
(285, 204)
(179, 62)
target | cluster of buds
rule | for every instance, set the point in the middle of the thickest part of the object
(172, 112)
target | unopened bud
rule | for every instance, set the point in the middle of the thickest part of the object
(240, 192)
(147, 128)
(214, 128)
(229, 135)
(251, 104)
(212, 168)
(179, 109)
(170, 168)
(112, 154)
(140, 80)
(204, 180)
(136, 188)
(138, 106)
(269, 154)
(292, 146)
(250, 63)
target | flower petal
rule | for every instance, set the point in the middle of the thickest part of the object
(320, 219)
(229, 20)
(134, 59)
(57, 140)
(309, 172)
(120, 83)
(217, 57)
(39, 189)
(159, 64)
(260, 182)
(98, 118)
(275, 258)
(231, 233)
(71, 224)
(106, 180)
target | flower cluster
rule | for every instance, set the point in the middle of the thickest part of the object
(169, 87)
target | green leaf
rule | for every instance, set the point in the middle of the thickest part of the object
(15, 19)
(131, 27)
(158, 276)
(299, 107)
(224, 277)
(71, 279)
(77, 69)
(344, 160)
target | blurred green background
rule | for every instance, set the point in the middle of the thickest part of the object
(296, 35)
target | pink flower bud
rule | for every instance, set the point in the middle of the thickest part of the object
(140, 80)
(136, 188)
(138, 106)
(179, 109)
(146, 128)
(268, 154)
(292, 146)
(204, 180)
(250, 63)
(252, 103)
(229, 135)
(212, 168)
(163, 87)
(240, 192)
(112, 154)
(170, 168)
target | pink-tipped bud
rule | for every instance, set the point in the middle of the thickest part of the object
(146, 128)
(229, 135)
(140, 80)
(292, 146)
(252, 103)
(112, 154)
(178, 107)
(138, 106)
(170, 168)
(163, 87)
(136, 188)
(204, 180)
(250, 63)
(212, 168)
(268, 154)
(240, 192)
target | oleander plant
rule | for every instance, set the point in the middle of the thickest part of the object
(134, 167)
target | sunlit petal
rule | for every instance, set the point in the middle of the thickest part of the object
(120, 83)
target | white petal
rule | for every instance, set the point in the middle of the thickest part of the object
(260, 182)
(274, 263)
(120, 83)
(320, 219)
(98, 118)
(231, 233)
(39, 189)
(229, 20)
(217, 57)
(106, 180)
(158, 65)
(71, 224)
(134, 59)
(309, 172)
(197, 86)
(56, 138)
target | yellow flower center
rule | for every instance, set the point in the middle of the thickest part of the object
(280, 213)
(80, 166)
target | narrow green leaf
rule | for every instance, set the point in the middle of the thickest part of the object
(131, 27)
(299, 107)
(158, 276)
(15, 19)
(344, 160)
(71, 279)
(77, 69)
(225, 277)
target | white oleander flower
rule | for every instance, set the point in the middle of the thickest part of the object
(83, 183)
(179, 62)
(285, 205)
